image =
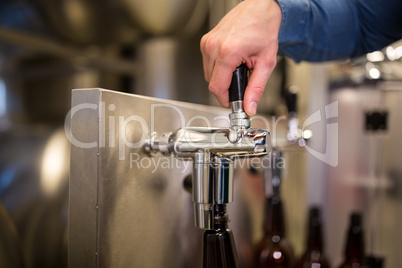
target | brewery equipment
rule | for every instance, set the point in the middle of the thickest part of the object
(212, 151)
(123, 200)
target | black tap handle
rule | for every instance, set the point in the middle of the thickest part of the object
(291, 99)
(239, 83)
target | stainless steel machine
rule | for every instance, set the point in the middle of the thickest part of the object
(213, 150)
(128, 206)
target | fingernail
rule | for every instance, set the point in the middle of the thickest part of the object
(253, 108)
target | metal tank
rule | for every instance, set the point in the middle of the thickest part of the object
(79, 46)
(10, 245)
(368, 176)
(34, 190)
(365, 141)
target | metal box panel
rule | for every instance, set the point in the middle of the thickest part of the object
(83, 184)
(128, 209)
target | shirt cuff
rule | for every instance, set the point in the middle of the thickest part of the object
(295, 15)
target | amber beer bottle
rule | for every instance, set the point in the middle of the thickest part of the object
(314, 254)
(219, 250)
(354, 250)
(274, 251)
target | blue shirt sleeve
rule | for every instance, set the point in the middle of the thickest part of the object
(322, 30)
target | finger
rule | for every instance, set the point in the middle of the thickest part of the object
(209, 49)
(205, 67)
(256, 85)
(220, 82)
(205, 58)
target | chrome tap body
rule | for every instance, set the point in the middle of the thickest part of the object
(213, 151)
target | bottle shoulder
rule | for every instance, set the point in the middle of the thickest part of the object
(219, 249)
(218, 232)
(351, 264)
(311, 257)
(274, 254)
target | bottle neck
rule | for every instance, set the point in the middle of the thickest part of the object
(314, 241)
(314, 238)
(355, 243)
(274, 222)
(221, 218)
(219, 249)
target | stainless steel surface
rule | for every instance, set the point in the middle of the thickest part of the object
(170, 67)
(130, 209)
(223, 187)
(34, 165)
(10, 244)
(83, 204)
(212, 151)
(203, 215)
(368, 162)
(82, 22)
(202, 182)
(162, 17)
(31, 44)
(126, 208)
(238, 118)
(185, 142)
(237, 106)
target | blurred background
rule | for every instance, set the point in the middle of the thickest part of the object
(48, 48)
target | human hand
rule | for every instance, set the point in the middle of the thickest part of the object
(247, 34)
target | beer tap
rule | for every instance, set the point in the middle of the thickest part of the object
(295, 133)
(213, 151)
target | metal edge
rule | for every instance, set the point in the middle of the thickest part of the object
(83, 216)
(193, 106)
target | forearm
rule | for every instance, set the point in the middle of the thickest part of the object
(321, 30)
